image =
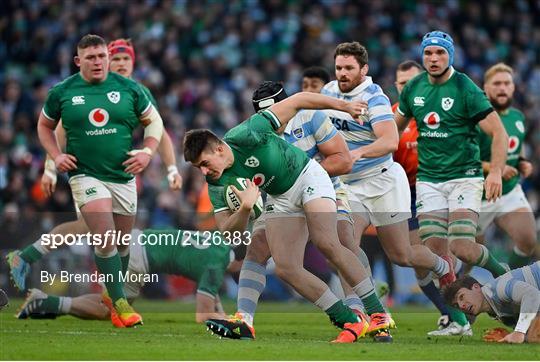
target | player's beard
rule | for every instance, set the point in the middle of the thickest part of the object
(499, 107)
(353, 83)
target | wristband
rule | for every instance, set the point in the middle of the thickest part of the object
(50, 166)
(50, 170)
(172, 171)
(146, 150)
(521, 158)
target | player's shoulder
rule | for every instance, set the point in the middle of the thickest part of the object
(236, 130)
(331, 89)
(415, 84)
(373, 90)
(309, 116)
(66, 83)
(124, 81)
(464, 82)
(418, 80)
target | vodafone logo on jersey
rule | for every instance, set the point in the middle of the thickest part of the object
(432, 120)
(258, 179)
(513, 144)
(98, 117)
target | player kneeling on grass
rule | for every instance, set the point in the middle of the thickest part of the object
(187, 253)
(513, 298)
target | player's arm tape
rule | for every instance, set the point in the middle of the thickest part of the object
(524, 322)
(146, 150)
(172, 171)
(271, 117)
(50, 167)
(154, 124)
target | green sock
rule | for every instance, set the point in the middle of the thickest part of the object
(367, 294)
(488, 261)
(340, 314)
(125, 262)
(457, 316)
(30, 254)
(110, 268)
(518, 259)
(51, 305)
(372, 304)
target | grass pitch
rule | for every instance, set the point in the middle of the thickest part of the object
(284, 332)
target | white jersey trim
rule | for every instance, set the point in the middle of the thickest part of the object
(47, 116)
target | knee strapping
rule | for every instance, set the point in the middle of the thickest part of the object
(432, 228)
(462, 229)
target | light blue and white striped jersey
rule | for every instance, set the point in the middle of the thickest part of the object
(307, 130)
(515, 294)
(356, 135)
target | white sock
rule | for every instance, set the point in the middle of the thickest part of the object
(326, 300)
(65, 304)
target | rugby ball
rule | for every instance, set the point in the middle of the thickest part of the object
(234, 202)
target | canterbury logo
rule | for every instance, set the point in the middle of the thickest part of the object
(91, 191)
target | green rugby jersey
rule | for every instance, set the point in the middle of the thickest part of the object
(262, 156)
(99, 120)
(149, 94)
(217, 197)
(446, 115)
(199, 256)
(514, 123)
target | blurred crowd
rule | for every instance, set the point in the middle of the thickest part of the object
(203, 59)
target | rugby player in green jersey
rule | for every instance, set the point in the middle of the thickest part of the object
(447, 106)
(312, 132)
(99, 111)
(301, 197)
(512, 212)
(202, 257)
(122, 62)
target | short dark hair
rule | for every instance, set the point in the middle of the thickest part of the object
(267, 94)
(91, 40)
(317, 72)
(355, 49)
(450, 291)
(198, 140)
(408, 64)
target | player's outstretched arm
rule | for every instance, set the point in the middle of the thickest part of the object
(528, 298)
(494, 128)
(168, 156)
(337, 158)
(287, 108)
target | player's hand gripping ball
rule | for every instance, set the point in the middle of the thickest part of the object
(234, 201)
